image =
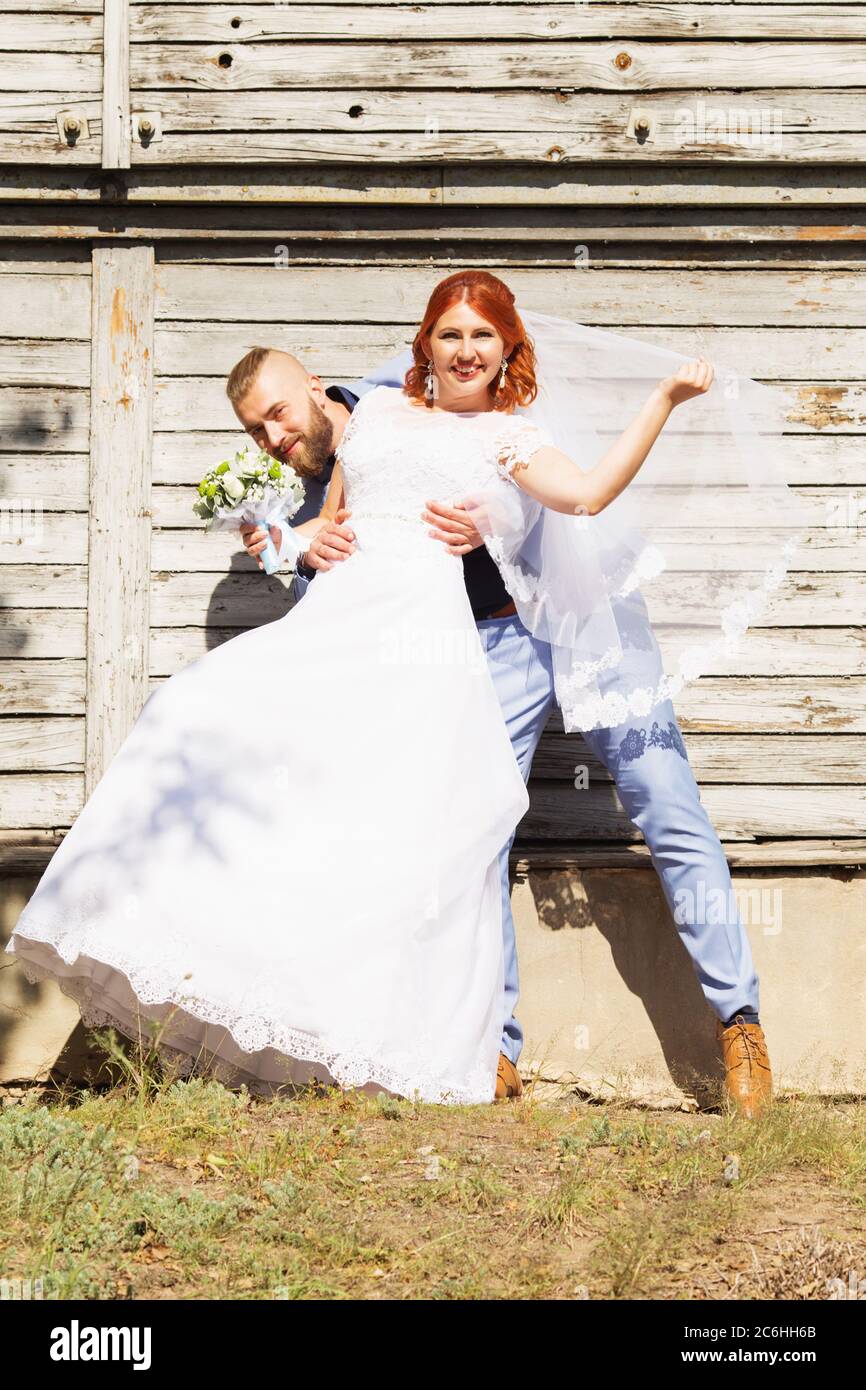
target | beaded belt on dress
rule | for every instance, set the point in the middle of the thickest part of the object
(386, 516)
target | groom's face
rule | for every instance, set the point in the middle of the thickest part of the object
(281, 413)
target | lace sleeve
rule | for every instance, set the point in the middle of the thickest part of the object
(516, 442)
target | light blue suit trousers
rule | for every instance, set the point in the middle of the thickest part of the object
(648, 762)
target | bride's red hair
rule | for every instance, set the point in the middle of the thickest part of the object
(492, 299)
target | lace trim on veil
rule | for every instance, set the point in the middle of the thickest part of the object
(609, 710)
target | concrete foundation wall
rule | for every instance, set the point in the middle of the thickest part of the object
(609, 997)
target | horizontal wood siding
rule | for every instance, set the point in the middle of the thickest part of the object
(45, 307)
(776, 743)
(370, 149)
(487, 84)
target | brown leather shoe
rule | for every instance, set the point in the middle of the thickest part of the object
(748, 1079)
(508, 1083)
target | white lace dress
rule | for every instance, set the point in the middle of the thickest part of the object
(290, 866)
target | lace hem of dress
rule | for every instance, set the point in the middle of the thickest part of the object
(251, 1034)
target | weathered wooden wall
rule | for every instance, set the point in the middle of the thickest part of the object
(439, 81)
(383, 146)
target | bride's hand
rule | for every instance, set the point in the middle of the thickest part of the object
(693, 379)
(453, 526)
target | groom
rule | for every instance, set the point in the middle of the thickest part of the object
(296, 419)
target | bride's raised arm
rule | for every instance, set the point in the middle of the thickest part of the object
(553, 479)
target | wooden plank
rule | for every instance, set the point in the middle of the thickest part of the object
(238, 600)
(833, 460)
(115, 86)
(793, 759)
(392, 294)
(211, 349)
(47, 259)
(836, 406)
(23, 850)
(41, 4)
(35, 113)
(59, 481)
(34, 745)
(823, 507)
(748, 704)
(40, 800)
(119, 532)
(45, 305)
(716, 186)
(36, 633)
(778, 704)
(611, 234)
(602, 184)
(44, 418)
(509, 255)
(602, 66)
(67, 74)
(243, 600)
(79, 6)
(214, 23)
(562, 127)
(599, 119)
(27, 851)
(200, 403)
(52, 538)
(529, 859)
(317, 185)
(184, 349)
(839, 651)
(55, 586)
(50, 33)
(829, 550)
(32, 362)
(28, 129)
(489, 147)
(558, 813)
(42, 687)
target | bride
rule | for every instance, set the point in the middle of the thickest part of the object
(290, 868)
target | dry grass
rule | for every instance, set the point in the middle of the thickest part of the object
(156, 1188)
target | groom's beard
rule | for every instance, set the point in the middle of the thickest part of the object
(314, 448)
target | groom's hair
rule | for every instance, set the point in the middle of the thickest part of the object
(244, 374)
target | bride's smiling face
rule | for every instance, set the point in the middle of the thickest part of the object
(467, 353)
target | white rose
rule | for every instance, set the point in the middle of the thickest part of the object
(233, 486)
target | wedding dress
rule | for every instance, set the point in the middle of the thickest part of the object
(290, 865)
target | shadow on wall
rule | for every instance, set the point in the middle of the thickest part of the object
(628, 908)
(29, 431)
(246, 597)
(41, 1037)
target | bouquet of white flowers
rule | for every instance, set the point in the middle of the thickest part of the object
(251, 487)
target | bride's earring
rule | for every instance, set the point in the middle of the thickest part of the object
(429, 378)
(502, 375)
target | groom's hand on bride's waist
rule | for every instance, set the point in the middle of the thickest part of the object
(332, 542)
(452, 526)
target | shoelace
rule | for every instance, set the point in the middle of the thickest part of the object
(754, 1048)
